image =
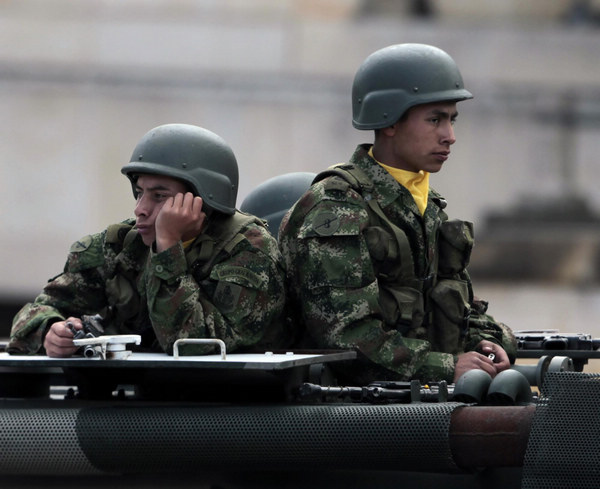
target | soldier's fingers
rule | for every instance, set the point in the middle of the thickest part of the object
(59, 329)
(197, 204)
(75, 322)
(58, 346)
(60, 336)
(188, 200)
(56, 351)
(178, 200)
(501, 362)
(69, 326)
(487, 365)
(497, 354)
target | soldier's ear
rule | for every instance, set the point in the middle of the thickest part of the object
(389, 131)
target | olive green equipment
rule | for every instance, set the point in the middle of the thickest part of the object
(441, 299)
(272, 199)
(199, 157)
(393, 79)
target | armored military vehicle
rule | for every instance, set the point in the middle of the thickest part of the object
(110, 416)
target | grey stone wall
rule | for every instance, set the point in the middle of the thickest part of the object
(80, 82)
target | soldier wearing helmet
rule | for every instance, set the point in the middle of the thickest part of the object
(373, 261)
(188, 266)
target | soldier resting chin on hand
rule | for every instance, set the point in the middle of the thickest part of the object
(188, 266)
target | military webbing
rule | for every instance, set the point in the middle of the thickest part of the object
(363, 185)
(223, 237)
(114, 233)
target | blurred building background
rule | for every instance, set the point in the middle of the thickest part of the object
(82, 81)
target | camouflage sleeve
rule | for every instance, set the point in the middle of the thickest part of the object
(30, 325)
(241, 302)
(333, 282)
(482, 326)
(77, 291)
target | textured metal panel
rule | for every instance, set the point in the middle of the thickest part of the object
(173, 439)
(41, 441)
(563, 449)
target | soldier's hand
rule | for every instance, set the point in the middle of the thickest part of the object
(481, 360)
(180, 218)
(473, 360)
(501, 360)
(59, 338)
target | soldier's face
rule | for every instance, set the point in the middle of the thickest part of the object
(153, 191)
(422, 138)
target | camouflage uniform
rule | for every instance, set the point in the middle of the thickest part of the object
(347, 274)
(228, 284)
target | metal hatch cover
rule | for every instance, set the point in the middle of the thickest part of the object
(257, 361)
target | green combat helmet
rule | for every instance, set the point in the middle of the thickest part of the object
(192, 154)
(398, 77)
(274, 197)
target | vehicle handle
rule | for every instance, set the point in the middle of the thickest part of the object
(199, 341)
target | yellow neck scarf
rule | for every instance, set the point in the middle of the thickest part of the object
(416, 183)
(187, 243)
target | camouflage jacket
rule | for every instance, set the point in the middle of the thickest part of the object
(407, 316)
(228, 284)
